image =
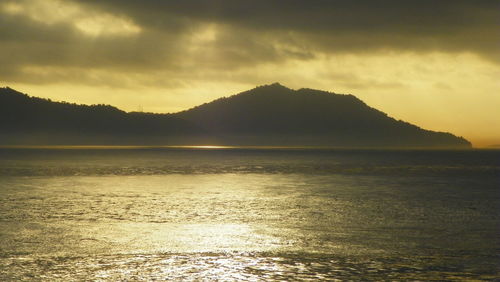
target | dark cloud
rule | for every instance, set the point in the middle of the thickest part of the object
(246, 33)
(337, 25)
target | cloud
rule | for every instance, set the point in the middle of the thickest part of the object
(333, 25)
(183, 37)
(89, 22)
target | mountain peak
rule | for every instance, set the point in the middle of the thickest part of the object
(274, 86)
(277, 84)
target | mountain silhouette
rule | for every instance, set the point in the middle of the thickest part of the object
(31, 120)
(266, 115)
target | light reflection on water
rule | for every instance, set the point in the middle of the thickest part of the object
(229, 266)
(274, 225)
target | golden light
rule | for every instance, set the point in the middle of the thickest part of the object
(89, 22)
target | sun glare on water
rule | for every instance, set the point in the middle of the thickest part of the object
(204, 147)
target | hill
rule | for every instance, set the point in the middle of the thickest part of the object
(31, 120)
(276, 115)
(266, 115)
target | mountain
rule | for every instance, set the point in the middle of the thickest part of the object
(307, 116)
(31, 120)
(266, 115)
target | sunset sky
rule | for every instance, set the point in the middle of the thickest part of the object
(432, 63)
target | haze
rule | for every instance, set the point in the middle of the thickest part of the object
(432, 63)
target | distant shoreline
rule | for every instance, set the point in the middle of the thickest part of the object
(269, 115)
(235, 147)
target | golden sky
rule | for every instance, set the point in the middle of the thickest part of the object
(432, 63)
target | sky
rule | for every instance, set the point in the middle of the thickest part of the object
(435, 64)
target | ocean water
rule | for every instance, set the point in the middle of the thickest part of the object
(143, 213)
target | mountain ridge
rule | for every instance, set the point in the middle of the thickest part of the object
(265, 115)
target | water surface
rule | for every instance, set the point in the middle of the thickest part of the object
(248, 213)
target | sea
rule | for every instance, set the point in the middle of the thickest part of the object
(248, 213)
